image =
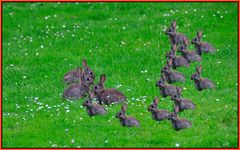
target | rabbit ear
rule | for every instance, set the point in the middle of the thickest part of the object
(179, 90)
(91, 95)
(174, 47)
(84, 62)
(176, 109)
(170, 62)
(173, 23)
(199, 69)
(185, 41)
(199, 34)
(156, 100)
(102, 78)
(79, 71)
(163, 77)
(124, 107)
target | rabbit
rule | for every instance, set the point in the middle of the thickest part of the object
(179, 124)
(171, 76)
(201, 83)
(158, 114)
(177, 61)
(202, 47)
(190, 56)
(126, 121)
(93, 109)
(181, 103)
(72, 76)
(78, 90)
(175, 37)
(166, 89)
(88, 71)
(107, 96)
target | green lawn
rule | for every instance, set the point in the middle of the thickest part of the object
(126, 41)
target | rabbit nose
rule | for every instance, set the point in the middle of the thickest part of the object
(191, 77)
(149, 108)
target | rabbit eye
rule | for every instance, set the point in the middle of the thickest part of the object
(90, 72)
(120, 113)
(95, 87)
(195, 39)
(88, 79)
(151, 106)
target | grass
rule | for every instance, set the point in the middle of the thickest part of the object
(42, 41)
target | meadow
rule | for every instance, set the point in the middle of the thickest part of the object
(125, 41)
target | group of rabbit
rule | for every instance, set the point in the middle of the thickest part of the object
(81, 80)
(168, 76)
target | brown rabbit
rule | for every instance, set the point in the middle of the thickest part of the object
(78, 90)
(166, 89)
(177, 61)
(93, 109)
(171, 76)
(158, 114)
(175, 38)
(72, 76)
(201, 83)
(107, 96)
(182, 103)
(190, 56)
(179, 124)
(126, 121)
(202, 47)
(88, 71)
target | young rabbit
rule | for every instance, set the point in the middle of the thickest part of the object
(190, 56)
(72, 76)
(201, 83)
(166, 89)
(158, 114)
(88, 71)
(107, 96)
(177, 61)
(175, 38)
(93, 109)
(78, 90)
(182, 103)
(170, 75)
(179, 124)
(202, 47)
(125, 120)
